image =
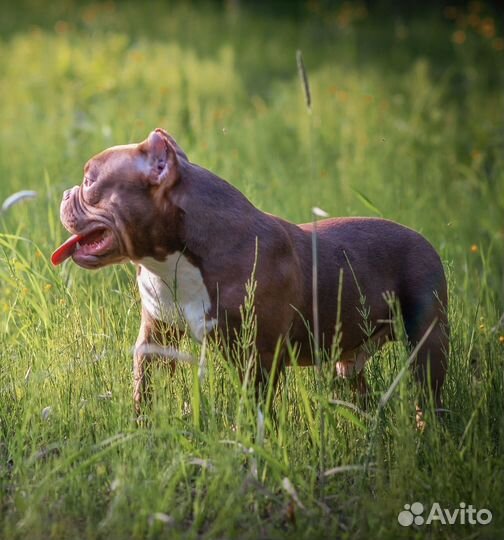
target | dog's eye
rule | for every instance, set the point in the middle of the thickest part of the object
(88, 181)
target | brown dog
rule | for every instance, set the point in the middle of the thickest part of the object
(193, 238)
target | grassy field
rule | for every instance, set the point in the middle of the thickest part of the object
(406, 122)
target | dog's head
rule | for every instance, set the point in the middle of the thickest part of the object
(123, 205)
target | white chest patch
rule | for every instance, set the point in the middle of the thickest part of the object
(172, 290)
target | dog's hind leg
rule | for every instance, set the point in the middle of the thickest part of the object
(431, 362)
(353, 371)
(351, 364)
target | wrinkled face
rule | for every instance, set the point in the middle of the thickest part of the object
(114, 210)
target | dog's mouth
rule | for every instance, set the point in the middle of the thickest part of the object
(86, 249)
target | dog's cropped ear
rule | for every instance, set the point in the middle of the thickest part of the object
(180, 153)
(161, 159)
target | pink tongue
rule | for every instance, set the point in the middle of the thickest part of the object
(65, 250)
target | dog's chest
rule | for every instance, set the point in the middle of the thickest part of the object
(172, 290)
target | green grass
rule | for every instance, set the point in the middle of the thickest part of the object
(406, 123)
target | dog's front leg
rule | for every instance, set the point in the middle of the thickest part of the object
(153, 335)
(267, 372)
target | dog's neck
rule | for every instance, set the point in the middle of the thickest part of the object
(201, 193)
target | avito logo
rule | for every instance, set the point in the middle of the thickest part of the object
(463, 515)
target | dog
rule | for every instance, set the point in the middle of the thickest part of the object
(195, 240)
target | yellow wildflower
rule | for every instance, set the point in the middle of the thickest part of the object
(459, 37)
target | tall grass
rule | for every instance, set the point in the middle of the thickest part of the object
(403, 126)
